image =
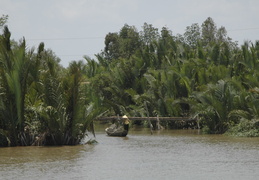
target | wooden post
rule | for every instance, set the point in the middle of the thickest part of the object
(150, 124)
(158, 126)
(198, 122)
(118, 120)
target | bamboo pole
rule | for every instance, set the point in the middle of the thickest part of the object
(148, 118)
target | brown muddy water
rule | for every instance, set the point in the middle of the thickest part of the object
(168, 154)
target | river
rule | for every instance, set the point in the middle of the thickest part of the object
(167, 154)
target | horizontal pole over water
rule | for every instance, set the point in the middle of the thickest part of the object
(151, 118)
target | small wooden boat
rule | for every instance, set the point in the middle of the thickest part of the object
(113, 130)
(121, 129)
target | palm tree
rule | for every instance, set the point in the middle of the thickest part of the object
(14, 66)
(215, 104)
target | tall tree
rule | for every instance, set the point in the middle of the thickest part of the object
(192, 35)
(129, 41)
(112, 46)
(3, 20)
(209, 30)
(149, 34)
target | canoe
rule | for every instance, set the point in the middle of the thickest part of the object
(113, 130)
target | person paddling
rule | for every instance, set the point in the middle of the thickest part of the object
(126, 122)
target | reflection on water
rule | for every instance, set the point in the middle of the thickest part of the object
(168, 154)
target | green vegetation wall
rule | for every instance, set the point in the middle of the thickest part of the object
(202, 74)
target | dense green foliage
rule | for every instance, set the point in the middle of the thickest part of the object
(202, 74)
(41, 103)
